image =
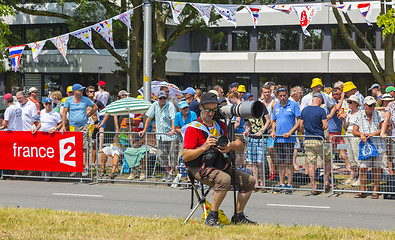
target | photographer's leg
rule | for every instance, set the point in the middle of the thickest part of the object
(242, 199)
(218, 197)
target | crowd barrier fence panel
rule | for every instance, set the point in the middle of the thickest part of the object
(347, 171)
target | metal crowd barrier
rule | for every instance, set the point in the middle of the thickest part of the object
(347, 170)
(154, 158)
(87, 175)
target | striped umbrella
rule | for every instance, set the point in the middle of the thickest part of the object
(125, 106)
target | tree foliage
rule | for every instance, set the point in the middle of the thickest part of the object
(4, 32)
(387, 21)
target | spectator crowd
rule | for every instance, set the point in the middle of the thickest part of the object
(327, 117)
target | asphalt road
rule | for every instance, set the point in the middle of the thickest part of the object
(135, 200)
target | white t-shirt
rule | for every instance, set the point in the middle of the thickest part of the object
(13, 114)
(307, 100)
(350, 120)
(29, 110)
(49, 120)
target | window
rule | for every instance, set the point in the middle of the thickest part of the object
(337, 40)
(240, 40)
(315, 41)
(16, 35)
(221, 45)
(50, 32)
(289, 39)
(267, 40)
(370, 35)
(33, 34)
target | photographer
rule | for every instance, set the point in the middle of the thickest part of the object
(205, 160)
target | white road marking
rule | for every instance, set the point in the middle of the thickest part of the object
(297, 206)
(77, 195)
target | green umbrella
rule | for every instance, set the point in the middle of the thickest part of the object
(125, 106)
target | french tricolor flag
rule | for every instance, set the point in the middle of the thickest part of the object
(366, 11)
(254, 11)
(15, 54)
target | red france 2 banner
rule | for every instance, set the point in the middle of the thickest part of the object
(41, 151)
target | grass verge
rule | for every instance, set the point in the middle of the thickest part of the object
(18, 223)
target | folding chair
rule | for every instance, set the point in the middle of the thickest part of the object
(201, 198)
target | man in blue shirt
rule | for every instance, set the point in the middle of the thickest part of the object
(76, 106)
(285, 118)
(184, 116)
(314, 121)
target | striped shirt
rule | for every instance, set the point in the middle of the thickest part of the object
(163, 119)
(371, 127)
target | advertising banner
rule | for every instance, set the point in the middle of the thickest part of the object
(41, 151)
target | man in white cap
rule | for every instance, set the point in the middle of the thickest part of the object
(33, 92)
(376, 92)
(167, 141)
(368, 124)
(29, 110)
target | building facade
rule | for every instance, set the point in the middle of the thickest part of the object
(276, 50)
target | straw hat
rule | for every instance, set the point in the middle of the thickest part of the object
(354, 99)
(386, 97)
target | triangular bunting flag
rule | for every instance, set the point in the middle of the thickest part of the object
(125, 18)
(254, 11)
(60, 43)
(204, 10)
(228, 12)
(176, 9)
(283, 8)
(305, 15)
(105, 29)
(36, 48)
(366, 11)
(343, 7)
(85, 35)
(15, 54)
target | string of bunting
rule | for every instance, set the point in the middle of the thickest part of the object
(305, 14)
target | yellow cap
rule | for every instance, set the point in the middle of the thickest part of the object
(316, 82)
(348, 86)
(69, 88)
(241, 88)
(140, 97)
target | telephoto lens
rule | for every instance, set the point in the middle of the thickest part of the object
(222, 141)
(245, 110)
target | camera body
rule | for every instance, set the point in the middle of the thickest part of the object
(211, 156)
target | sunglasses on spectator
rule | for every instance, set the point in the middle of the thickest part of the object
(35, 92)
(162, 98)
(91, 91)
(47, 103)
(166, 91)
(349, 102)
(371, 105)
(207, 110)
(266, 86)
(281, 90)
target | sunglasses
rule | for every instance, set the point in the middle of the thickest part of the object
(162, 98)
(35, 92)
(47, 103)
(281, 90)
(349, 102)
(207, 110)
(91, 91)
(371, 105)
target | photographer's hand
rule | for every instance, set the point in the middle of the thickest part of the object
(225, 149)
(210, 141)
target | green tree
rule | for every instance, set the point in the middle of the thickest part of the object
(163, 36)
(4, 32)
(381, 73)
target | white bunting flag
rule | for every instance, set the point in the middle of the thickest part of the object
(125, 18)
(254, 11)
(105, 29)
(176, 9)
(342, 7)
(36, 48)
(85, 35)
(204, 10)
(283, 8)
(366, 11)
(228, 12)
(60, 43)
(305, 15)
